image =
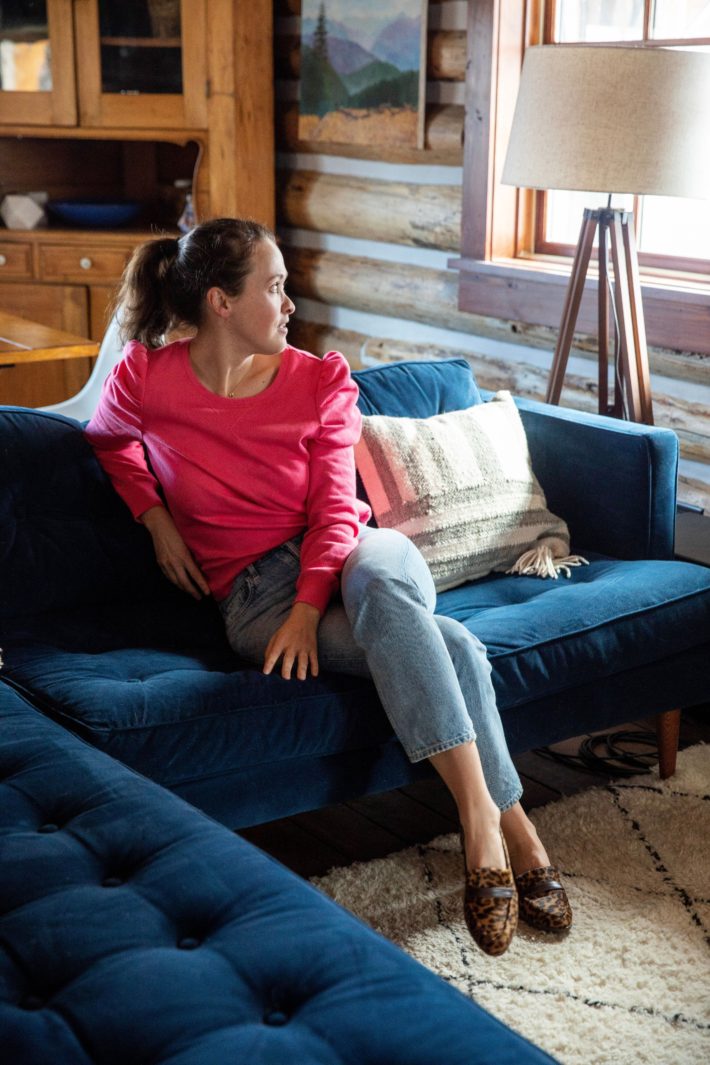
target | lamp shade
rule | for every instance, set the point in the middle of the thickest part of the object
(612, 119)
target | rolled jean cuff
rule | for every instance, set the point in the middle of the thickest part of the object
(506, 805)
(438, 748)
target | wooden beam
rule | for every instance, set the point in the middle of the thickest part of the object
(426, 216)
(240, 109)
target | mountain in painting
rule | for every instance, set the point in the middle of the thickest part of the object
(344, 55)
(399, 43)
(371, 74)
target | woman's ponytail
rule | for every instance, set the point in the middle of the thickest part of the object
(144, 302)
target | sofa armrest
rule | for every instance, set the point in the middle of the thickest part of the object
(614, 482)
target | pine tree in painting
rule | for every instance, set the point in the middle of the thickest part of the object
(320, 35)
(321, 88)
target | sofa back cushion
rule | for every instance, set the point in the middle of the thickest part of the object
(66, 539)
(417, 389)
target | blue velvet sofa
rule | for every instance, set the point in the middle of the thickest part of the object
(133, 928)
(98, 640)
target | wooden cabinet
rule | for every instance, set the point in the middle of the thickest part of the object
(105, 63)
(143, 64)
(37, 63)
(100, 99)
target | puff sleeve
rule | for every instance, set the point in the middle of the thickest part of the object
(333, 510)
(116, 431)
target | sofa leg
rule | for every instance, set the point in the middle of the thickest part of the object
(667, 732)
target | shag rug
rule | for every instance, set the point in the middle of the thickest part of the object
(630, 983)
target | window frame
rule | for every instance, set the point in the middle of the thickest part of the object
(501, 272)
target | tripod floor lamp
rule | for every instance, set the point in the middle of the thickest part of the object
(611, 119)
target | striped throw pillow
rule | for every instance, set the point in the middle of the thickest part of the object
(461, 486)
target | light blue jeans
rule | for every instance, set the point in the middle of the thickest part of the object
(432, 675)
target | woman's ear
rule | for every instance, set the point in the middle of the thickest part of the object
(219, 302)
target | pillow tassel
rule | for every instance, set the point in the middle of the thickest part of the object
(540, 561)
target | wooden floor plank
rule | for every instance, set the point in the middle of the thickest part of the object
(405, 815)
(435, 795)
(346, 830)
(303, 853)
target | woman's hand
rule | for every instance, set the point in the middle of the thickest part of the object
(173, 557)
(296, 641)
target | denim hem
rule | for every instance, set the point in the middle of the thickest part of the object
(439, 748)
(516, 798)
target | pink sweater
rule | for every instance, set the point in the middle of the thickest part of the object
(239, 476)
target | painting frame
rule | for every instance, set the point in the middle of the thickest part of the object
(363, 72)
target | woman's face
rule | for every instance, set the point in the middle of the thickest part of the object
(260, 313)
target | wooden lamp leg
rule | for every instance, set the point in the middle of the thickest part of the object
(615, 227)
(643, 374)
(667, 733)
(573, 298)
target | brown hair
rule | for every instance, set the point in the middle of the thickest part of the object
(166, 280)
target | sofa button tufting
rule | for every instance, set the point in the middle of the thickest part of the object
(276, 1018)
(112, 881)
(32, 1002)
(188, 943)
(49, 827)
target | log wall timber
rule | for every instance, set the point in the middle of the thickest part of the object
(336, 202)
(426, 216)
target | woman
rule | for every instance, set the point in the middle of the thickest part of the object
(250, 498)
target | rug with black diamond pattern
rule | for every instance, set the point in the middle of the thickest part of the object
(630, 984)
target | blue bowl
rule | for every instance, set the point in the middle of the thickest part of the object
(95, 214)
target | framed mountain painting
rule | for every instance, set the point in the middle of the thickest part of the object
(363, 72)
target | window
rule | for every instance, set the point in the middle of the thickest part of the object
(517, 245)
(671, 233)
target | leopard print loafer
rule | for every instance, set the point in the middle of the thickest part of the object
(490, 906)
(543, 901)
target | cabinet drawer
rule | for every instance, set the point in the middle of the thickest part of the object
(90, 262)
(15, 260)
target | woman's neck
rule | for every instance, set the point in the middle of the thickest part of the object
(227, 371)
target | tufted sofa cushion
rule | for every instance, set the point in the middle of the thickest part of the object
(134, 929)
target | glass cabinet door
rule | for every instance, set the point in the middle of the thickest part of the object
(37, 62)
(143, 63)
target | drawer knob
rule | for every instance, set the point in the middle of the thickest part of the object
(85, 262)
(3, 260)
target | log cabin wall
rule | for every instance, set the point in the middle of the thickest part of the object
(367, 235)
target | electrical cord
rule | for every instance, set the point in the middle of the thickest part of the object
(617, 761)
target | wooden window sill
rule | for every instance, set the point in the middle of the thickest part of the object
(676, 308)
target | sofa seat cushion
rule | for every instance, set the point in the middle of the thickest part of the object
(190, 714)
(544, 636)
(194, 711)
(134, 929)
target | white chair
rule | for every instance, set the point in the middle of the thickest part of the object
(83, 404)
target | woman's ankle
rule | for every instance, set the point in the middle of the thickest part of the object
(525, 848)
(482, 840)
